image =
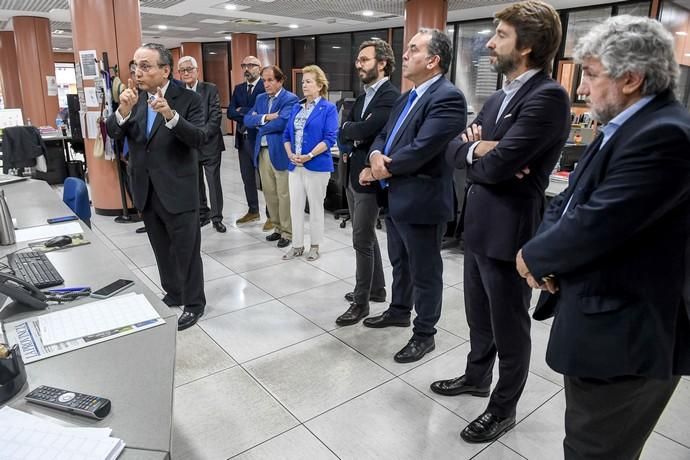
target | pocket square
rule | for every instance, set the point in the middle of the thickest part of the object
(508, 116)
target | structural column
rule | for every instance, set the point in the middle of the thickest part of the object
(242, 45)
(35, 63)
(194, 50)
(98, 25)
(423, 14)
(9, 75)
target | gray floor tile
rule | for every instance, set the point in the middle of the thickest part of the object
(288, 278)
(212, 241)
(214, 269)
(394, 421)
(314, 376)
(540, 339)
(380, 345)
(452, 269)
(453, 317)
(128, 238)
(258, 330)
(339, 263)
(124, 259)
(231, 293)
(674, 422)
(327, 245)
(148, 281)
(250, 257)
(452, 364)
(198, 356)
(323, 304)
(498, 451)
(223, 415)
(296, 444)
(141, 255)
(659, 447)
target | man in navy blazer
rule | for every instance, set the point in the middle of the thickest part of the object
(611, 251)
(408, 155)
(269, 116)
(243, 99)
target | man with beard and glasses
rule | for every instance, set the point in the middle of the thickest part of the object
(509, 151)
(243, 99)
(611, 254)
(375, 62)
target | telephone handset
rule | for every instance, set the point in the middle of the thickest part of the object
(23, 292)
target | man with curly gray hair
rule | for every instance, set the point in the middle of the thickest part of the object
(610, 254)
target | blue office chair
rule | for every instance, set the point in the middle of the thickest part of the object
(76, 196)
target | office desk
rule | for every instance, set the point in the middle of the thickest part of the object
(135, 372)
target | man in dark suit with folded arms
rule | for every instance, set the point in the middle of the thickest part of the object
(213, 146)
(611, 251)
(408, 158)
(509, 151)
(375, 62)
(243, 99)
(163, 124)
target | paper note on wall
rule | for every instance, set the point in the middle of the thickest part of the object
(92, 124)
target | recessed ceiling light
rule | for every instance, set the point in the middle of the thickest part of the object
(58, 31)
(682, 34)
(484, 32)
(293, 26)
(367, 13)
(230, 7)
(336, 47)
(228, 37)
(162, 26)
(376, 38)
(212, 52)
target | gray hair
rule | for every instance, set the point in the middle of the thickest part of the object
(441, 46)
(164, 55)
(629, 44)
(187, 58)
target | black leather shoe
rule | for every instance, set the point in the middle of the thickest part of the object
(415, 350)
(385, 319)
(170, 302)
(379, 297)
(275, 236)
(220, 227)
(283, 243)
(187, 320)
(204, 222)
(140, 230)
(458, 386)
(353, 314)
(486, 428)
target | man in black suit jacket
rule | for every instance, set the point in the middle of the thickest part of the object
(408, 156)
(611, 251)
(163, 125)
(368, 116)
(209, 153)
(243, 99)
(522, 126)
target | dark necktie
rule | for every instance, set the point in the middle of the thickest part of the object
(249, 89)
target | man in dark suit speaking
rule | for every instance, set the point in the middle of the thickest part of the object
(213, 145)
(611, 251)
(521, 128)
(163, 124)
(408, 158)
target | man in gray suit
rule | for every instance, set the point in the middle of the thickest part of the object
(210, 150)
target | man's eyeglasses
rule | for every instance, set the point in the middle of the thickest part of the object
(146, 67)
(363, 60)
(187, 69)
(249, 66)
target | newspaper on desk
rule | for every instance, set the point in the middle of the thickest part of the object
(28, 334)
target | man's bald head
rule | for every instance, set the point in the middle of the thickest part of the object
(251, 67)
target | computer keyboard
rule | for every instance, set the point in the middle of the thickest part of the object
(35, 268)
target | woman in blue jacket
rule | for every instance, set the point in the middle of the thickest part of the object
(309, 135)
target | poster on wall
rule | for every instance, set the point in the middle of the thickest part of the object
(51, 84)
(89, 64)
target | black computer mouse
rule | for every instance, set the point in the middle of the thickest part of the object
(58, 241)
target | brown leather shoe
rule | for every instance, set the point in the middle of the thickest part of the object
(268, 226)
(249, 217)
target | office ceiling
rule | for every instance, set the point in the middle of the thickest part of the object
(174, 21)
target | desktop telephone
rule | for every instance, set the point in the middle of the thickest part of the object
(23, 292)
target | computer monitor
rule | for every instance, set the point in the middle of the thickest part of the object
(570, 155)
(585, 135)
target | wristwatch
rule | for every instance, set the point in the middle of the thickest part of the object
(310, 155)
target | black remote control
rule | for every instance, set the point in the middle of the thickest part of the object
(69, 401)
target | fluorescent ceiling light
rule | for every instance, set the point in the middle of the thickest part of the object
(484, 32)
(228, 37)
(336, 47)
(367, 13)
(682, 34)
(230, 7)
(293, 26)
(162, 27)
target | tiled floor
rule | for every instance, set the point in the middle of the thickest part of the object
(268, 375)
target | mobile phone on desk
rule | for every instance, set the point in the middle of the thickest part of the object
(112, 289)
(56, 220)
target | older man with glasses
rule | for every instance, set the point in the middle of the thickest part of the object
(243, 99)
(210, 150)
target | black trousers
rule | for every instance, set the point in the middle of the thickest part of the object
(611, 419)
(176, 243)
(248, 172)
(210, 165)
(415, 252)
(497, 306)
(364, 210)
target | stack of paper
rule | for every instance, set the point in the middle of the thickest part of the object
(26, 437)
